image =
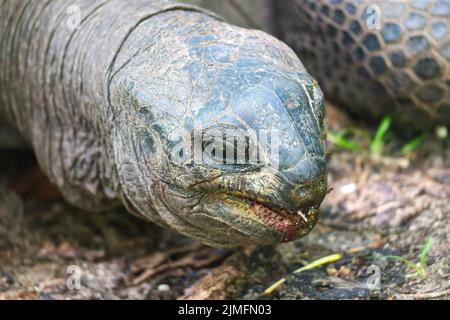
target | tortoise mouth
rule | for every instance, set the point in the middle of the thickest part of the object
(265, 217)
(291, 224)
(230, 220)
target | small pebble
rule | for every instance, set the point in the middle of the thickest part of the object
(441, 132)
(163, 287)
(348, 188)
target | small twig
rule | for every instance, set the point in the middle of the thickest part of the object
(422, 296)
(312, 265)
(189, 260)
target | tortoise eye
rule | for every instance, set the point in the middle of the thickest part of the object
(231, 150)
(229, 146)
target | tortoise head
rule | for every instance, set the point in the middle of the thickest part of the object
(221, 142)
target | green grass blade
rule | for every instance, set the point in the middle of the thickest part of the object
(342, 142)
(419, 267)
(407, 262)
(424, 252)
(377, 145)
(328, 259)
(412, 145)
(317, 263)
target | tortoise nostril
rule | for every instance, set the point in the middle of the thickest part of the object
(309, 194)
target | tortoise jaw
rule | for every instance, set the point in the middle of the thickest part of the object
(291, 224)
(230, 220)
(276, 212)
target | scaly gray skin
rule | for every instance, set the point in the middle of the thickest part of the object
(401, 69)
(105, 106)
(250, 14)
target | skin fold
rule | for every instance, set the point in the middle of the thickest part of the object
(106, 107)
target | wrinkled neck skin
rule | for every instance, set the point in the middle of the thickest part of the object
(57, 60)
(114, 112)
